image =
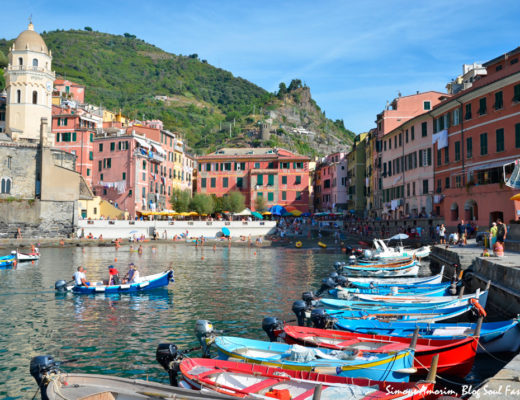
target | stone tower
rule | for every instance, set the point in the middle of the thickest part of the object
(29, 82)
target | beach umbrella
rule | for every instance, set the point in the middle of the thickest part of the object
(399, 236)
(184, 214)
(193, 213)
(515, 197)
(277, 210)
(290, 208)
(226, 231)
(257, 215)
(287, 214)
(245, 211)
(296, 213)
(266, 213)
(306, 214)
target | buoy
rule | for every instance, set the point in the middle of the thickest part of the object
(115, 259)
(479, 307)
(202, 258)
(32, 262)
(343, 249)
(298, 244)
(254, 253)
(323, 245)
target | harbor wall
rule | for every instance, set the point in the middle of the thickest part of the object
(503, 272)
(209, 229)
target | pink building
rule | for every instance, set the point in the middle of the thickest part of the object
(277, 175)
(330, 191)
(74, 129)
(70, 90)
(479, 129)
(392, 149)
(130, 172)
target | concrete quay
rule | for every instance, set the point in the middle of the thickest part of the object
(503, 303)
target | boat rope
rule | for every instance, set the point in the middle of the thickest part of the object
(487, 352)
(438, 376)
(35, 393)
(54, 378)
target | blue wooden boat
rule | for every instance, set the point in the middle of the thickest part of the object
(396, 366)
(145, 283)
(495, 337)
(367, 282)
(367, 302)
(441, 289)
(402, 314)
(7, 261)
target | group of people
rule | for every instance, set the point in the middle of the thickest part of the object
(132, 276)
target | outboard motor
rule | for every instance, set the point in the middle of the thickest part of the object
(60, 285)
(368, 254)
(352, 260)
(40, 368)
(333, 276)
(308, 298)
(299, 308)
(326, 284)
(270, 325)
(342, 281)
(338, 266)
(206, 335)
(348, 250)
(169, 357)
(320, 318)
(453, 288)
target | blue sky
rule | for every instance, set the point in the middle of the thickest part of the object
(354, 55)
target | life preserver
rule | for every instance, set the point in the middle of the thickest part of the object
(298, 244)
(474, 302)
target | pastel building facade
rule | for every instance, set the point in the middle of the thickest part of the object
(66, 89)
(331, 183)
(395, 114)
(481, 127)
(277, 175)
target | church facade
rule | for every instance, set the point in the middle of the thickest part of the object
(39, 187)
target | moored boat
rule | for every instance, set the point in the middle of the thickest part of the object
(456, 356)
(395, 366)
(252, 380)
(145, 283)
(369, 282)
(32, 256)
(7, 261)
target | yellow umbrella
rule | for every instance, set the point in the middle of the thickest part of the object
(193, 213)
(266, 213)
(296, 213)
(515, 197)
(185, 214)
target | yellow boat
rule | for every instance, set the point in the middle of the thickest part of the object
(321, 244)
(298, 244)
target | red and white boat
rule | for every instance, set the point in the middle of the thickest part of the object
(456, 357)
(32, 256)
(240, 379)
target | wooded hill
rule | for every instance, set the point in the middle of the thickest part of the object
(208, 106)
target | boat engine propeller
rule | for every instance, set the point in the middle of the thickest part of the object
(309, 298)
(60, 285)
(270, 325)
(169, 357)
(206, 335)
(338, 266)
(326, 284)
(40, 368)
(321, 319)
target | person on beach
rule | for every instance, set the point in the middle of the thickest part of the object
(18, 233)
(140, 249)
(442, 234)
(79, 277)
(493, 234)
(501, 232)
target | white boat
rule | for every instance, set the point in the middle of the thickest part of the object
(430, 280)
(27, 256)
(383, 251)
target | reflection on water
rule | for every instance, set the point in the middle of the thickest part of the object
(118, 334)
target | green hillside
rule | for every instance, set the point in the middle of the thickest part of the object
(207, 105)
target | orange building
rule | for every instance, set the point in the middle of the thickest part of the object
(476, 132)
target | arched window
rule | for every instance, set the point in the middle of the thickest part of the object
(35, 62)
(20, 61)
(35, 97)
(18, 96)
(5, 186)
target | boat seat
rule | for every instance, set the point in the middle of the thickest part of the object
(99, 396)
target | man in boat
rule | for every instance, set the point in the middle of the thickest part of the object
(132, 276)
(79, 277)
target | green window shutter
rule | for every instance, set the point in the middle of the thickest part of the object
(213, 182)
(284, 180)
(88, 172)
(270, 196)
(73, 136)
(91, 155)
(112, 146)
(500, 139)
(260, 180)
(284, 195)
(124, 175)
(91, 137)
(240, 182)
(420, 158)
(270, 180)
(298, 180)
(203, 183)
(429, 153)
(225, 182)
(517, 136)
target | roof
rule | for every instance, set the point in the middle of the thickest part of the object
(254, 152)
(30, 40)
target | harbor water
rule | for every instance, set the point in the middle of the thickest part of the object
(117, 334)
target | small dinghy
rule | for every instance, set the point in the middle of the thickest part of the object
(58, 385)
(145, 283)
(368, 282)
(246, 380)
(7, 261)
(441, 289)
(32, 256)
(456, 356)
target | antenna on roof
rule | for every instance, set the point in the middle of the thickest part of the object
(30, 19)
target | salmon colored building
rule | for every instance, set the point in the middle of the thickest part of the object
(74, 129)
(279, 176)
(390, 120)
(331, 183)
(478, 131)
(70, 90)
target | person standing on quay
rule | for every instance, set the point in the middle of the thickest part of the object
(501, 232)
(493, 234)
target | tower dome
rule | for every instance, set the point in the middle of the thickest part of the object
(30, 40)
